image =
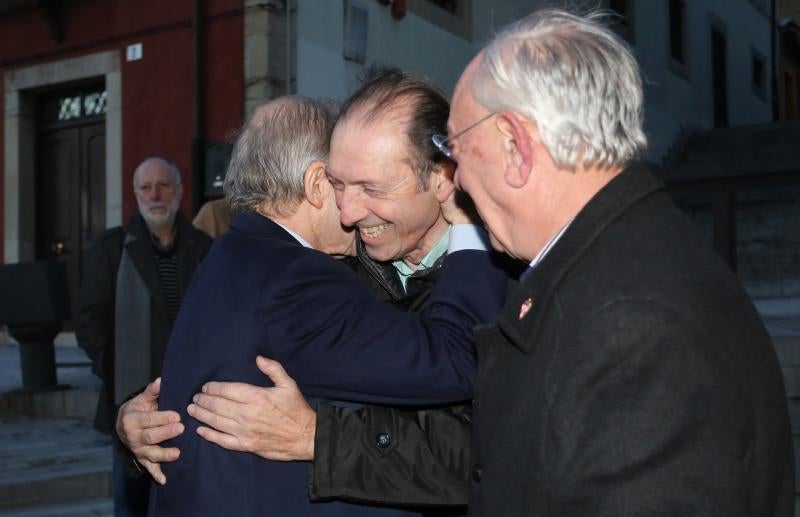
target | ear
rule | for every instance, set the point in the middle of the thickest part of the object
(442, 180)
(316, 185)
(517, 148)
(179, 192)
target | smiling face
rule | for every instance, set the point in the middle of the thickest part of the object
(378, 192)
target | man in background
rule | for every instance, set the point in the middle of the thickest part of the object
(134, 278)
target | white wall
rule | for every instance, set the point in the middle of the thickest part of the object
(411, 43)
(672, 101)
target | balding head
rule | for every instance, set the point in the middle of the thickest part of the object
(158, 189)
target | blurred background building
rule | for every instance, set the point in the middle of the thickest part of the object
(91, 87)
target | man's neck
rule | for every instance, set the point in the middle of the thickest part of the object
(297, 224)
(568, 200)
(427, 243)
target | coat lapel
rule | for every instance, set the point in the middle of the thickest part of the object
(140, 249)
(187, 259)
(526, 306)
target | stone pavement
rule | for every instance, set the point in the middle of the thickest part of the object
(781, 316)
(52, 462)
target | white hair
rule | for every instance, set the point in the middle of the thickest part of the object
(271, 155)
(171, 166)
(575, 79)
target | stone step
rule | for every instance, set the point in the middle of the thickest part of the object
(89, 508)
(788, 350)
(52, 461)
(80, 403)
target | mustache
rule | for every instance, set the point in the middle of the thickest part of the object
(156, 204)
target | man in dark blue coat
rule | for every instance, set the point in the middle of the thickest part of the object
(268, 287)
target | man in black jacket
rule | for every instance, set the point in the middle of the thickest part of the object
(133, 281)
(629, 374)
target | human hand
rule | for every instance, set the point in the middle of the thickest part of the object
(275, 423)
(141, 427)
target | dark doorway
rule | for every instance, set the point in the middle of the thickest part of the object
(70, 183)
(719, 77)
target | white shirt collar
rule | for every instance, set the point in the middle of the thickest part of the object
(295, 235)
(547, 247)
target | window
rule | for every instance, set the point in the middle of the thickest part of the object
(677, 51)
(758, 69)
(356, 18)
(623, 24)
(448, 5)
(677, 31)
(454, 16)
(71, 107)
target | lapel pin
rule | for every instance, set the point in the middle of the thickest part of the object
(525, 307)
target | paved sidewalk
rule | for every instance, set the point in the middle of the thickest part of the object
(59, 467)
(52, 462)
(72, 368)
(780, 315)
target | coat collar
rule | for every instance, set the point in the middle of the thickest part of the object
(139, 245)
(526, 306)
(386, 274)
(252, 223)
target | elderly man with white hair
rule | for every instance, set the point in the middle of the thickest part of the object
(134, 278)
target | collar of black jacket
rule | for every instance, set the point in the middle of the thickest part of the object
(387, 275)
(528, 303)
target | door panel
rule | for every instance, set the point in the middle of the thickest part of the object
(71, 198)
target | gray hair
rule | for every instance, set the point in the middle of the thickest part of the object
(273, 151)
(171, 167)
(575, 79)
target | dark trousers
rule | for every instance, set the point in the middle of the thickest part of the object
(130, 494)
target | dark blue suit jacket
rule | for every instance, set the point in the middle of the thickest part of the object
(261, 292)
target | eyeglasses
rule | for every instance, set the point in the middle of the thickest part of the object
(440, 141)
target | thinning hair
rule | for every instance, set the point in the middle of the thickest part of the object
(171, 166)
(273, 151)
(423, 109)
(575, 79)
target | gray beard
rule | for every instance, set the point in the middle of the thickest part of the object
(160, 221)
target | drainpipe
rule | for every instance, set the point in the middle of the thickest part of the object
(198, 144)
(288, 7)
(773, 26)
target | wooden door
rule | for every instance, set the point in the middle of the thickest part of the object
(70, 204)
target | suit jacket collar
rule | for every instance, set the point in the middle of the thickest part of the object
(252, 223)
(536, 292)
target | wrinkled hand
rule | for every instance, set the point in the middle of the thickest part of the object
(458, 208)
(141, 427)
(275, 423)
